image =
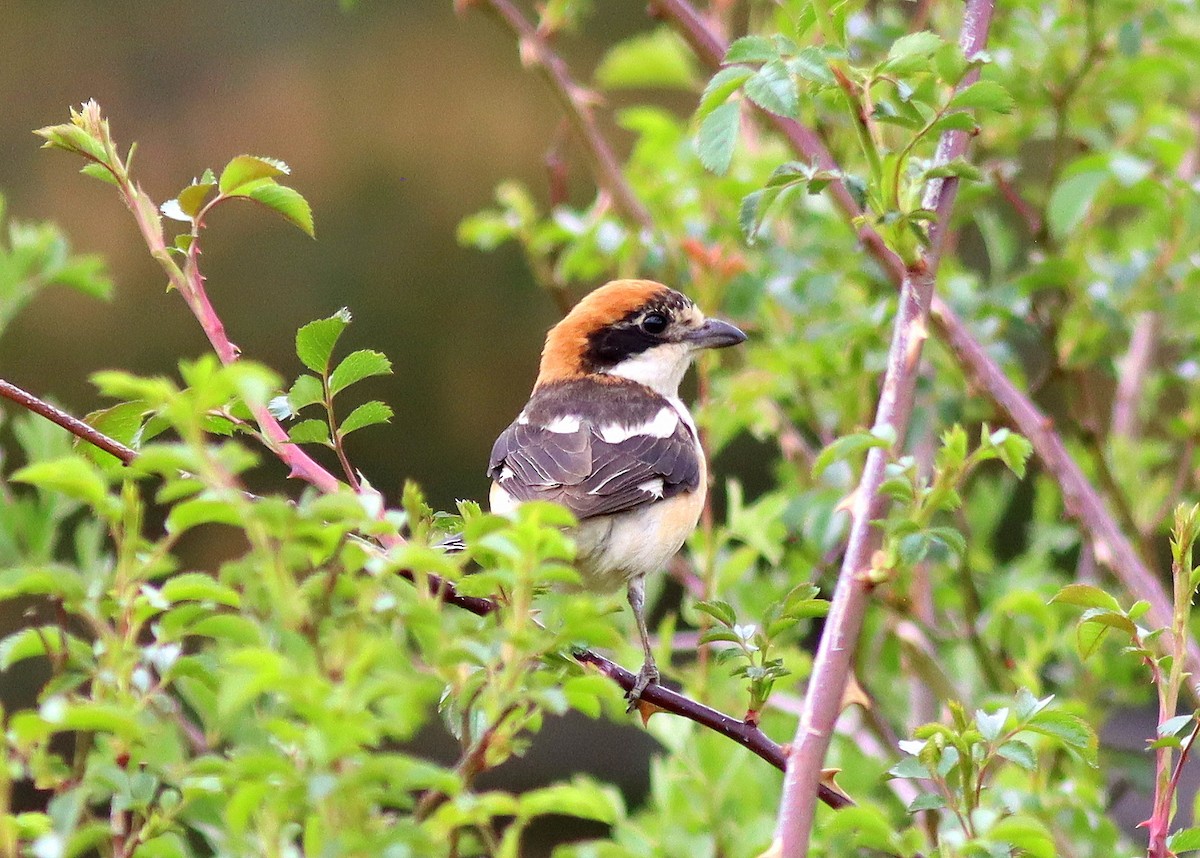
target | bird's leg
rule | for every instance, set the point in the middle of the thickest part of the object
(648, 675)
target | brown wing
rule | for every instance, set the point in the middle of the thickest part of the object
(582, 470)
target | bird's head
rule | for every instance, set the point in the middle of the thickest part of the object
(634, 329)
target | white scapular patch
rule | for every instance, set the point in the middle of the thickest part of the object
(662, 425)
(654, 486)
(564, 425)
(506, 473)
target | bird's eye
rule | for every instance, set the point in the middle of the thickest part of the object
(654, 323)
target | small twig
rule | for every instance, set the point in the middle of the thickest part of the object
(839, 641)
(576, 103)
(72, 424)
(1025, 210)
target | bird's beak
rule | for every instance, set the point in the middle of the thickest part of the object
(715, 334)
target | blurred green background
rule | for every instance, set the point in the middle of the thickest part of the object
(397, 117)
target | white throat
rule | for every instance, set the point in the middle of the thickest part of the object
(660, 368)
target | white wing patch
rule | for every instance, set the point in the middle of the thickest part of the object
(654, 487)
(564, 425)
(662, 425)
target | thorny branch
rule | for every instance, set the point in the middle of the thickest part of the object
(1082, 501)
(839, 641)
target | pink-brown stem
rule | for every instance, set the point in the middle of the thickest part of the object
(839, 641)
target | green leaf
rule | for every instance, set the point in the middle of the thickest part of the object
(1173, 726)
(773, 89)
(1071, 730)
(1071, 199)
(309, 432)
(985, 95)
(198, 587)
(315, 341)
(720, 611)
(926, 801)
(286, 202)
(356, 366)
(73, 476)
(192, 198)
(909, 767)
(1018, 752)
(99, 171)
(723, 84)
(846, 447)
(718, 134)
(990, 726)
(306, 391)
(657, 59)
(367, 414)
(921, 44)
(202, 510)
(812, 65)
(752, 49)
(1184, 840)
(581, 798)
(245, 169)
(1086, 596)
(1029, 836)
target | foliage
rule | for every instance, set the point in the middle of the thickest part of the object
(269, 702)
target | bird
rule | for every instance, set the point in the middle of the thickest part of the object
(605, 434)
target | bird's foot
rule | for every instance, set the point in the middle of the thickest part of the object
(646, 677)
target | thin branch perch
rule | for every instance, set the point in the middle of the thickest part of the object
(72, 424)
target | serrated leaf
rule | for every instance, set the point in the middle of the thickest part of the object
(752, 49)
(315, 341)
(926, 801)
(1071, 730)
(773, 89)
(198, 587)
(305, 391)
(192, 198)
(1173, 726)
(196, 511)
(1184, 840)
(812, 65)
(1071, 199)
(909, 767)
(920, 44)
(723, 84)
(990, 725)
(719, 610)
(845, 447)
(284, 200)
(1086, 596)
(309, 432)
(717, 136)
(70, 475)
(985, 95)
(367, 414)
(1018, 752)
(245, 169)
(99, 171)
(356, 366)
